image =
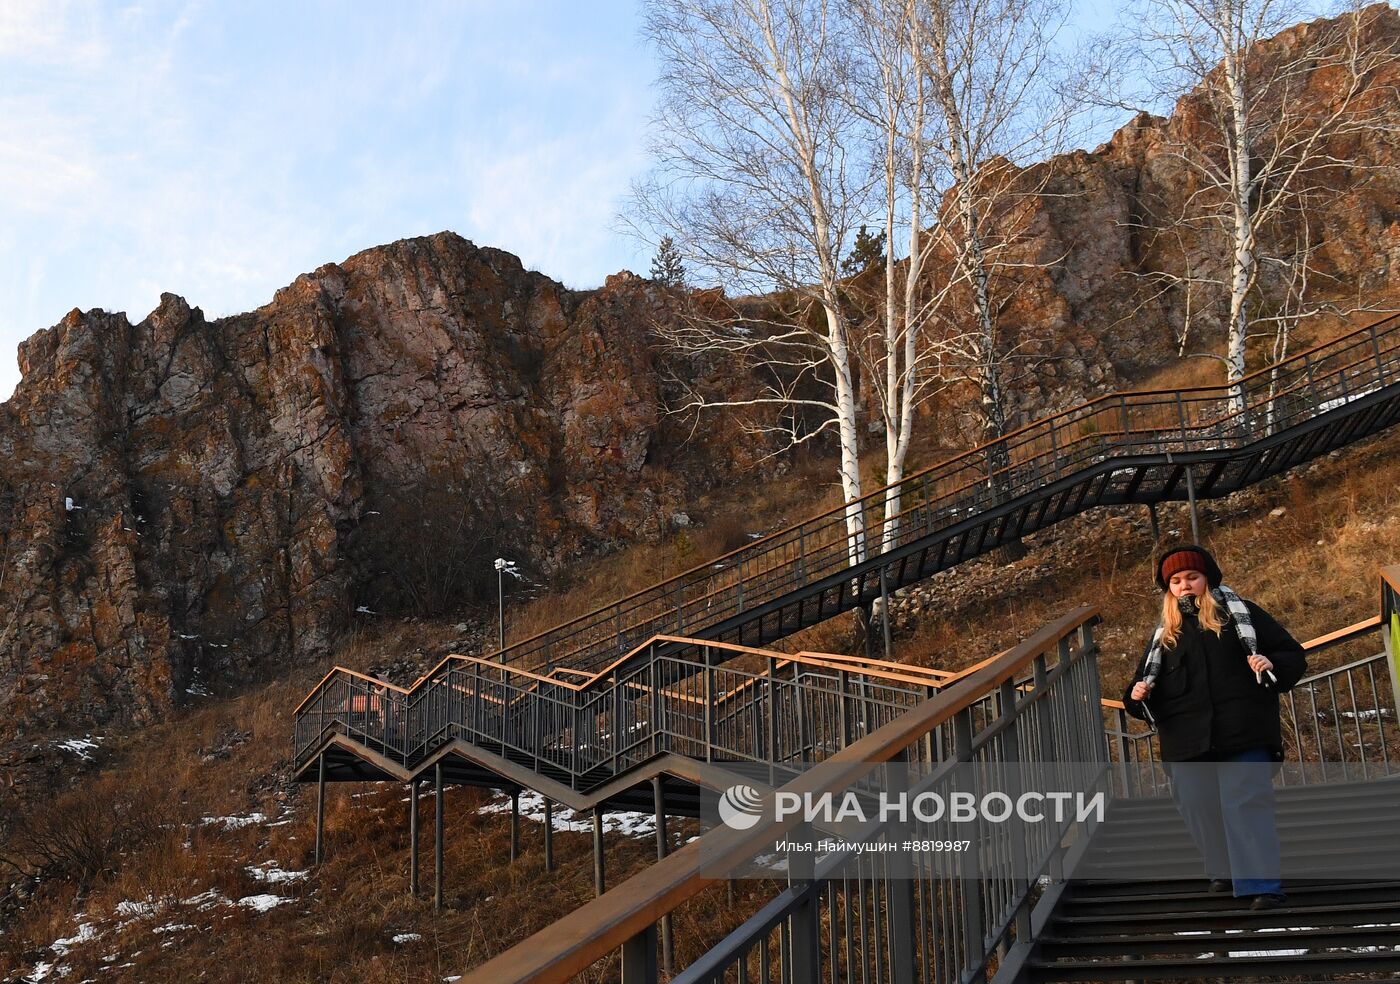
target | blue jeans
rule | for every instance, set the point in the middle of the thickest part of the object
(1228, 807)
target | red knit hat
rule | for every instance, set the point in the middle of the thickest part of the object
(1191, 558)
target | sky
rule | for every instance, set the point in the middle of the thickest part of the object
(217, 150)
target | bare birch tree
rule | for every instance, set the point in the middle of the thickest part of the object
(888, 88)
(1269, 124)
(992, 77)
(754, 179)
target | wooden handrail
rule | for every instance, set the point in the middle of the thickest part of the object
(873, 667)
(591, 932)
(342, 671)
(1088, 406)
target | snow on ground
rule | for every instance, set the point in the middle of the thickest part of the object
(235, 823)
(402, 938)
(273, 875)
(81, 747)
(564, 819)
(262, 903)
(86, 933)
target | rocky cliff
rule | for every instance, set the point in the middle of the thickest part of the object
(181, 498)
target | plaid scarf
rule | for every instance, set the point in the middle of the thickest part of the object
(1239, 615)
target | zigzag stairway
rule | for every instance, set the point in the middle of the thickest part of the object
(644, 702)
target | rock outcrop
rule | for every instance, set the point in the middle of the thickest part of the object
(184, 498)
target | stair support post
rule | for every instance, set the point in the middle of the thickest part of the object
(1011, 758)
(639, 958)
(904, 941)
(320, 807)
(772, 721)
(805, 928)
(437, 838)
(709, 684)
(599, 875)
(413, 828)
(548, 835)
(885, 612)
(974, 943)
(514, 825)
(663, 848)
(1191, 499)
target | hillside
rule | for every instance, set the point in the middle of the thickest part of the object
(199, 517)
(228, 867)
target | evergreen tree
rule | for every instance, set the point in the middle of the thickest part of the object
(666, 266)
(867, 251)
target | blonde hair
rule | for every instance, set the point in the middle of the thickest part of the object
(1210, 618)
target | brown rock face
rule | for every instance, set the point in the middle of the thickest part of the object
(183, 498)
(388, 425)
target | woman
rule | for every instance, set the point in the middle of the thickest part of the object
(1210, 683)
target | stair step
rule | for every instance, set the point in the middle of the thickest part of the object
(1113, 896)
(1230, 968)
(1150, 919)
(1211, 935)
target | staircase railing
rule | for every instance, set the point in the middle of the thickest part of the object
(710, 701)
(1037, 702)
(1123, 425)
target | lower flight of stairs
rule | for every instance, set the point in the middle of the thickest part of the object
(1139, 909)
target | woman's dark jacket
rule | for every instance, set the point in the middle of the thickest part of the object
(1207, 703)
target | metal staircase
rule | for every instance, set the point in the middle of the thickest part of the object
(648, 701)
(552, 712)
(1075, 899)
(1137, 447)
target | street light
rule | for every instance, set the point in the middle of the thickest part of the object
(503, 567)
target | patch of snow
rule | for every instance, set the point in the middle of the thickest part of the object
(262, 903)
(138, 910)
(566, 820)
(174, 928)
(186, 637)
(450, 979)
(364, 610)
(206, 900)
(235, 823)
(69, 505)
(86, 934)
(275, 875)
(41, 969)
(79, 746)
(402, 938)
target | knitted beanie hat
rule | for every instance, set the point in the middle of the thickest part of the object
(1191, 558)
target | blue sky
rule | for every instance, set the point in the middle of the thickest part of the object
(216, 150)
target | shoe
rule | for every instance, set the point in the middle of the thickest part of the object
(1269, 900)
(1219, 886)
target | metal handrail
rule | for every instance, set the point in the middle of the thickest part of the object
(626, 914)
(1204, 418)
(691, 703)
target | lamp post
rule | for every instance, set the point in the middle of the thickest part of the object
(502, 565)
